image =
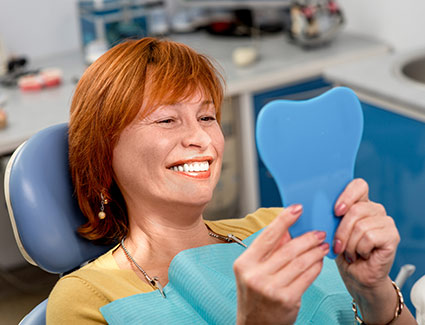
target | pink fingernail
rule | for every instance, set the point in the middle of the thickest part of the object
(324, 246)
(296, 209)
(321, 235)
(337, 246)
(340, 209)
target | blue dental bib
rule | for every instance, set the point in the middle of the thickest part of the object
(202, 290)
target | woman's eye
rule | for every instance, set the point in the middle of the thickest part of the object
(166, 121)
(208, 118)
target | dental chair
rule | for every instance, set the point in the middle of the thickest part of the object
(43, 211)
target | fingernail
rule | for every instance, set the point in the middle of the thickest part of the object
(324, 246)
(337, 246)
(340, 209)
(321, 235)
(349, 258)
(296, 208)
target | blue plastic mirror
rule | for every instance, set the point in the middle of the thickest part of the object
(310, 147)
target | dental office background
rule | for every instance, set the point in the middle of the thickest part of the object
(40, 28)
(45, 28)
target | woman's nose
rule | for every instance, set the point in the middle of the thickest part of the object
(196, 136)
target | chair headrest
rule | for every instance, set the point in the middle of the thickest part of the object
(44, 213)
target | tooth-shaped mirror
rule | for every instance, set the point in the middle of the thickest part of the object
(310, 147)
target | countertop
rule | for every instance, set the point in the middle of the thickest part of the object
(279, 63)
(379, 78)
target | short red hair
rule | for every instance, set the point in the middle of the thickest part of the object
(107, 98)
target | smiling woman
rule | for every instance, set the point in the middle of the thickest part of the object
(145, 154)
(131, 80)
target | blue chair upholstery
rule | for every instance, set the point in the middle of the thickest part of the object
(43, 211)
(37, 316)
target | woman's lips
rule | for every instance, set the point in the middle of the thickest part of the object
(196, 167)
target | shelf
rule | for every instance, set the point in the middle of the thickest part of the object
(235, 3)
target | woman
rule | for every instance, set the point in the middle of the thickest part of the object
(145, 151)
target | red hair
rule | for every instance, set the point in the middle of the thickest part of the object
(108, 97)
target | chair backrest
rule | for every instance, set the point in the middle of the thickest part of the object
(310, 148)
(43, 211)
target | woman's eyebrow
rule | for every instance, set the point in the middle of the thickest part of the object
(202, 103)
(206, 103)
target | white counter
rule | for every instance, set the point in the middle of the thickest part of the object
(280, 62)
(378, 80)
(31, 111)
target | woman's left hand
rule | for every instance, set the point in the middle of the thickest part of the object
(366, 241)
(366, 236)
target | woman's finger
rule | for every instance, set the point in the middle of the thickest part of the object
(296, 276)
(385, 238)
(290, 295)
(302, 283)
(356, 190)
(363, 230)
(271, 237)
(291, 250)
(357, 212)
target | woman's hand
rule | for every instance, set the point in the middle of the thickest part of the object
(366, 235)
(366, 240)
(273, 273)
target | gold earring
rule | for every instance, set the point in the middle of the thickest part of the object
(103, 201)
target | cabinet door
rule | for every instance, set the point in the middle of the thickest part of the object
(269, 194)
(391, 159)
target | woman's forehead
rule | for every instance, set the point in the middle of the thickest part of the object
(197, 96)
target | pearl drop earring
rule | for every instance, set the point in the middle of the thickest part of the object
(103, 201)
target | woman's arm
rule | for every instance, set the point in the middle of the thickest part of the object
(273, 273)
(366, 241)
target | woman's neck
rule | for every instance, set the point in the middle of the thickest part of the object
(153, 240)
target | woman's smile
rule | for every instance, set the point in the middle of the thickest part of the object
(196, 167)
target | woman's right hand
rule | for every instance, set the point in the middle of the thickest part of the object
(275, 270)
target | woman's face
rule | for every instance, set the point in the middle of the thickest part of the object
(172, 156)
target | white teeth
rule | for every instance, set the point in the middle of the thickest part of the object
(194, 167)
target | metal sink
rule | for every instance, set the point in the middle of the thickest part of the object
(414, 68)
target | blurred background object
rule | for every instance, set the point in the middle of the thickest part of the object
(104, 23)
(418, 299)
(314, 22)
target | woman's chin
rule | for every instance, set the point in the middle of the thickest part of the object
(197, 201)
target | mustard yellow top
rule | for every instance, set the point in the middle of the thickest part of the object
(77, 297)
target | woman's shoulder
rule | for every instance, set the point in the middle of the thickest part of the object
(246, 226)
(75, 300)
(77, 297)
